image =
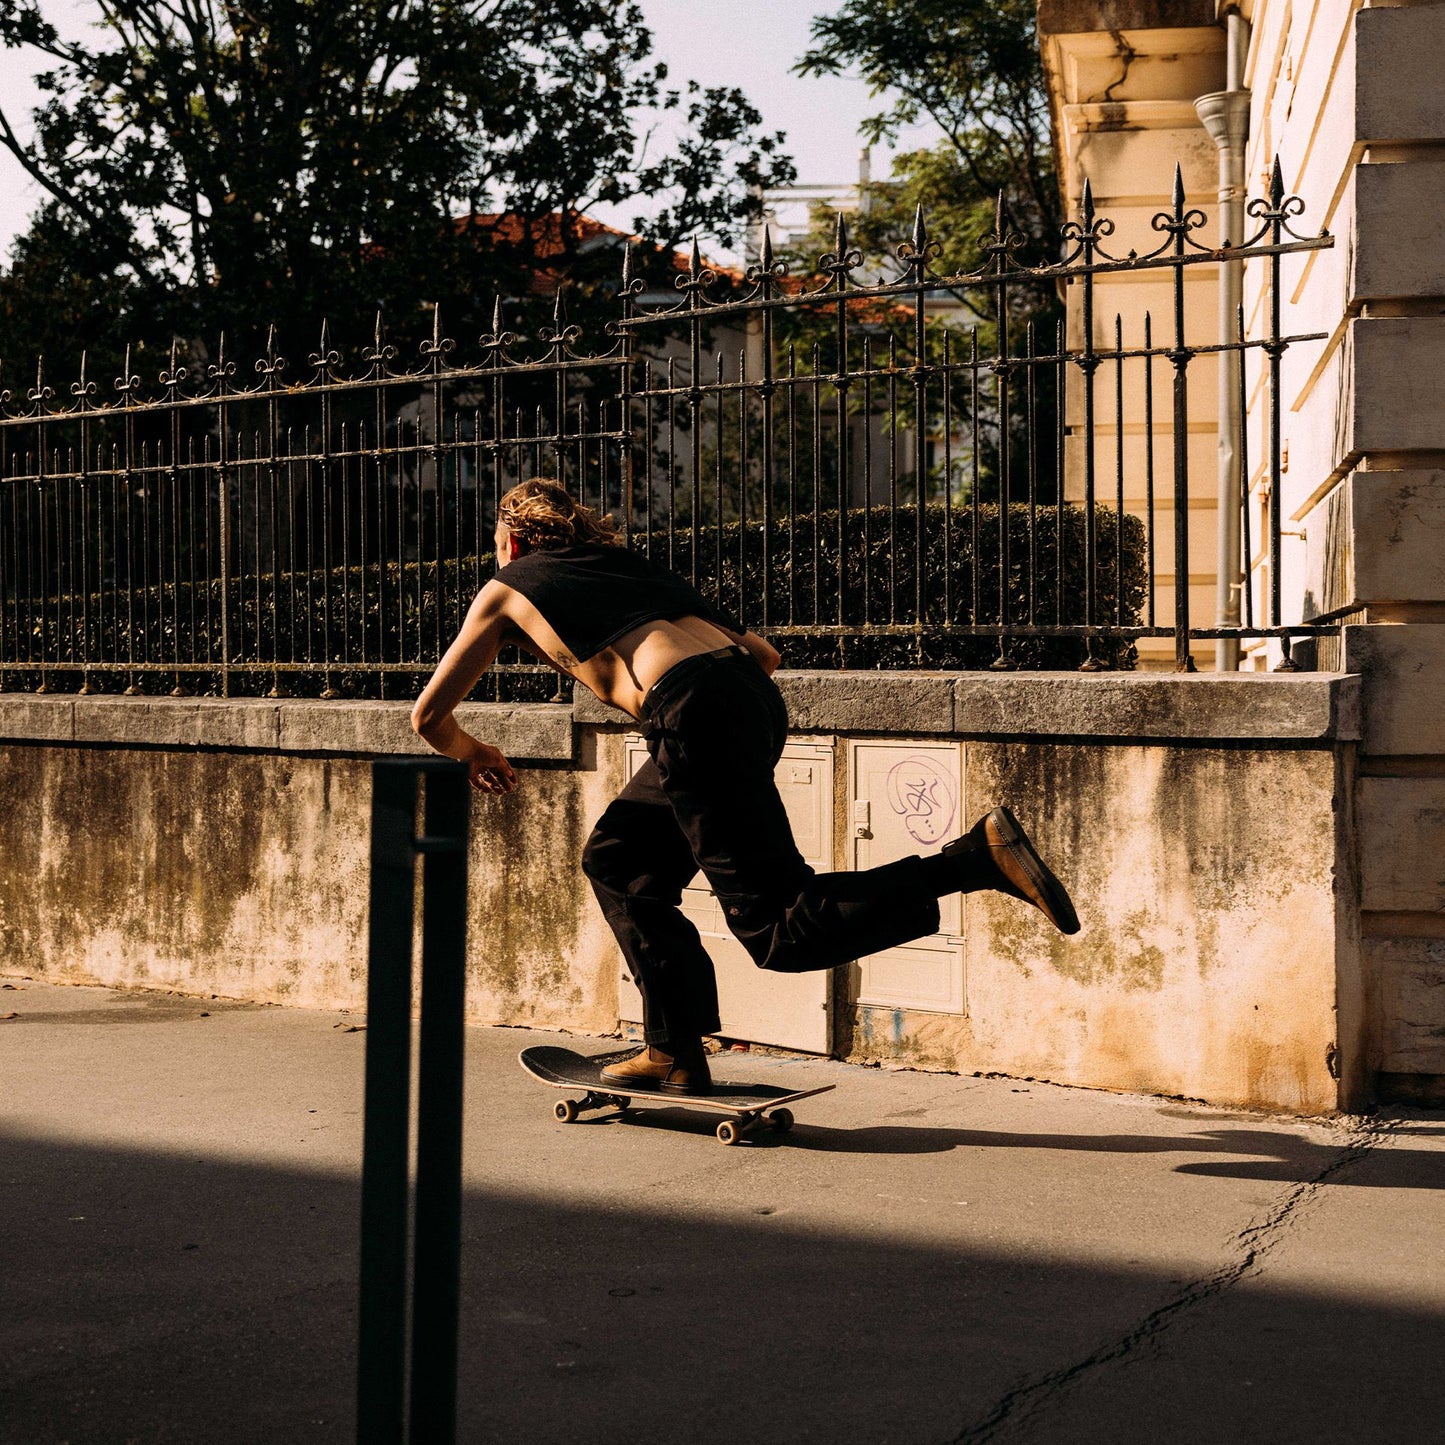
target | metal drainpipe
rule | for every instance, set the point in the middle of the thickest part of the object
(1225, 115)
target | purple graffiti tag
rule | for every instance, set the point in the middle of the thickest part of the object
(922, 794)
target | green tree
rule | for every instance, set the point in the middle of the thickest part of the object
(972, 67)
(220, 165)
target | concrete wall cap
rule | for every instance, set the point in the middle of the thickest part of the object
(918, 703)
(1262, 707)
(590, 710)
(1302, 707)
(30, 717)
(540, 731)
(176, 721)
(535, 731)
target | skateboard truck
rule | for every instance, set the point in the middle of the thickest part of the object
(730, 1131)
(566, 1110)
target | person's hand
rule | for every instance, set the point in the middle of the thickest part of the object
(488, 770)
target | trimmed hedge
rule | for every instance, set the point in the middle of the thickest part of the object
(403, 616)
(881, 550)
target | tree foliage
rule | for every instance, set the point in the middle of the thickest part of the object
(972, 67)
(219, 165)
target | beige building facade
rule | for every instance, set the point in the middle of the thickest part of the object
(1346, 96)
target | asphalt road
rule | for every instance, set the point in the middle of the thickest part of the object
(925, 1259)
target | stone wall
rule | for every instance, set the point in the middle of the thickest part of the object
(216, 847)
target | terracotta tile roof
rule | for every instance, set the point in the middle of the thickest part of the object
(546, 237)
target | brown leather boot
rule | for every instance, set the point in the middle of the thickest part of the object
(685, 1072)
(996, 853)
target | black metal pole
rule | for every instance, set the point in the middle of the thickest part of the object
(1088, 366)
(1180, 356)
(381, 1357)
(381, 1392)
(435, 1284)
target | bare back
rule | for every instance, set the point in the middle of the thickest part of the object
(621, 673)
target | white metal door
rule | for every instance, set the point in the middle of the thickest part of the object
(785, 1010)
(904, 798)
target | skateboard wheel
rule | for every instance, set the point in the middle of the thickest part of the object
(564, 1111)
(781, 1120)
(729, 1132)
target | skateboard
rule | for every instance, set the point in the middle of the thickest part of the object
(750, 1107)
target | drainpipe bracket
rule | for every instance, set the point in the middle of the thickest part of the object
(1225, 115)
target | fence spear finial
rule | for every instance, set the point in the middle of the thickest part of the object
(765, 251)
(377, 332)
(626, 264)
(1276, 184)
(325, 338)
(920, 231)
(840, 237)
(1086, 202)
(694, 263)
(1177, 197)
(497, 317)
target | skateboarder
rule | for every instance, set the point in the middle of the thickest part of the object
(648, 643)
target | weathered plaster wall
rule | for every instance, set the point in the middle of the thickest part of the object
(204, 846)
(1205, 883)
(246, 874)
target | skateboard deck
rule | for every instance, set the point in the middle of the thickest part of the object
(749, 1107)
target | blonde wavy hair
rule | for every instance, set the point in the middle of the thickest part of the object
(542, 513)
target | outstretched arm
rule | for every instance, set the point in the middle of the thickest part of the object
(473, 652)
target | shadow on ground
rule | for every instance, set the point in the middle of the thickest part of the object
(155, 1298)
(1274, 1156)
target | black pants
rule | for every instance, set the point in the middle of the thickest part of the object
(715, 728)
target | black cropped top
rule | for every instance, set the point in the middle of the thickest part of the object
(592, 593)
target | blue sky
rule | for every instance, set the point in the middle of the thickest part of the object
(747, 43)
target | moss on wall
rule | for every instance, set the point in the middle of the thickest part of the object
(247, 874)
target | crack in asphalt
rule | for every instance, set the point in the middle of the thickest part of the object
(1253, 1243)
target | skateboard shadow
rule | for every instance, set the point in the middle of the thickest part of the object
(1265, 1154)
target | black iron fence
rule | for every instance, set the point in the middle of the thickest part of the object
(908, 472)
